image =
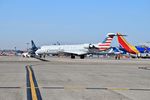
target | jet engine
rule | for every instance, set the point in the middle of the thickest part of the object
(88, 46)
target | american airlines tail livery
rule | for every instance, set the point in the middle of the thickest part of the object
(76, 50)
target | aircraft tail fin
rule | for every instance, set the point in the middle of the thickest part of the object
(124, 44)
(33, 44)
(107, 42)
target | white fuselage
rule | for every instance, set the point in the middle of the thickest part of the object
(80, 49)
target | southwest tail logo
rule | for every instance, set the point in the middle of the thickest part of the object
(125, 45)
(107, 42)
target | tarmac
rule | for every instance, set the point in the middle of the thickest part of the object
(74, 79)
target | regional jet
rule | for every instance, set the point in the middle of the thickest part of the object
(80, 50)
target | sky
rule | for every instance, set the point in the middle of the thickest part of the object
(72, 21)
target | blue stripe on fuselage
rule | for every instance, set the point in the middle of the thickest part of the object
(139, 48)
(142, 50)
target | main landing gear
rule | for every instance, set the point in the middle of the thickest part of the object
(81, 57)
(72, 56)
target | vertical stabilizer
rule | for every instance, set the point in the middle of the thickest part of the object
(106, 44)
(124, 44)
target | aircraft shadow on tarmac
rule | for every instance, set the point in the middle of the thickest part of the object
(41, 59)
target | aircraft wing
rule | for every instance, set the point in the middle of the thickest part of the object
(75, 52)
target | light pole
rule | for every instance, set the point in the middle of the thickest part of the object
(15, 50)
(27, 46)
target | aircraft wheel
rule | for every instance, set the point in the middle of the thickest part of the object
(82, 57)
(72, 56)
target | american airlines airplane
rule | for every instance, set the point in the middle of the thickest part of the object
(76, 50)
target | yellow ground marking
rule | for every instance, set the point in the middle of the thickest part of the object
(119, 89)
(33, 91)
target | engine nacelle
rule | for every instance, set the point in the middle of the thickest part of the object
(88, 46)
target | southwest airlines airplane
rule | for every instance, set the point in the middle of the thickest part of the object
(139, 51)
(76, 50)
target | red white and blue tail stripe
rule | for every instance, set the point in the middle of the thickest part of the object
(106, 44)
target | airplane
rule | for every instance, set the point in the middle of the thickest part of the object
(136, 51)
(31, 51)
(117, 50)
(80, 50)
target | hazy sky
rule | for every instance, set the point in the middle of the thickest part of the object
(72, 21)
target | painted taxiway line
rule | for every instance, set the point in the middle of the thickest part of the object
(93, 88)
(33, 92)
